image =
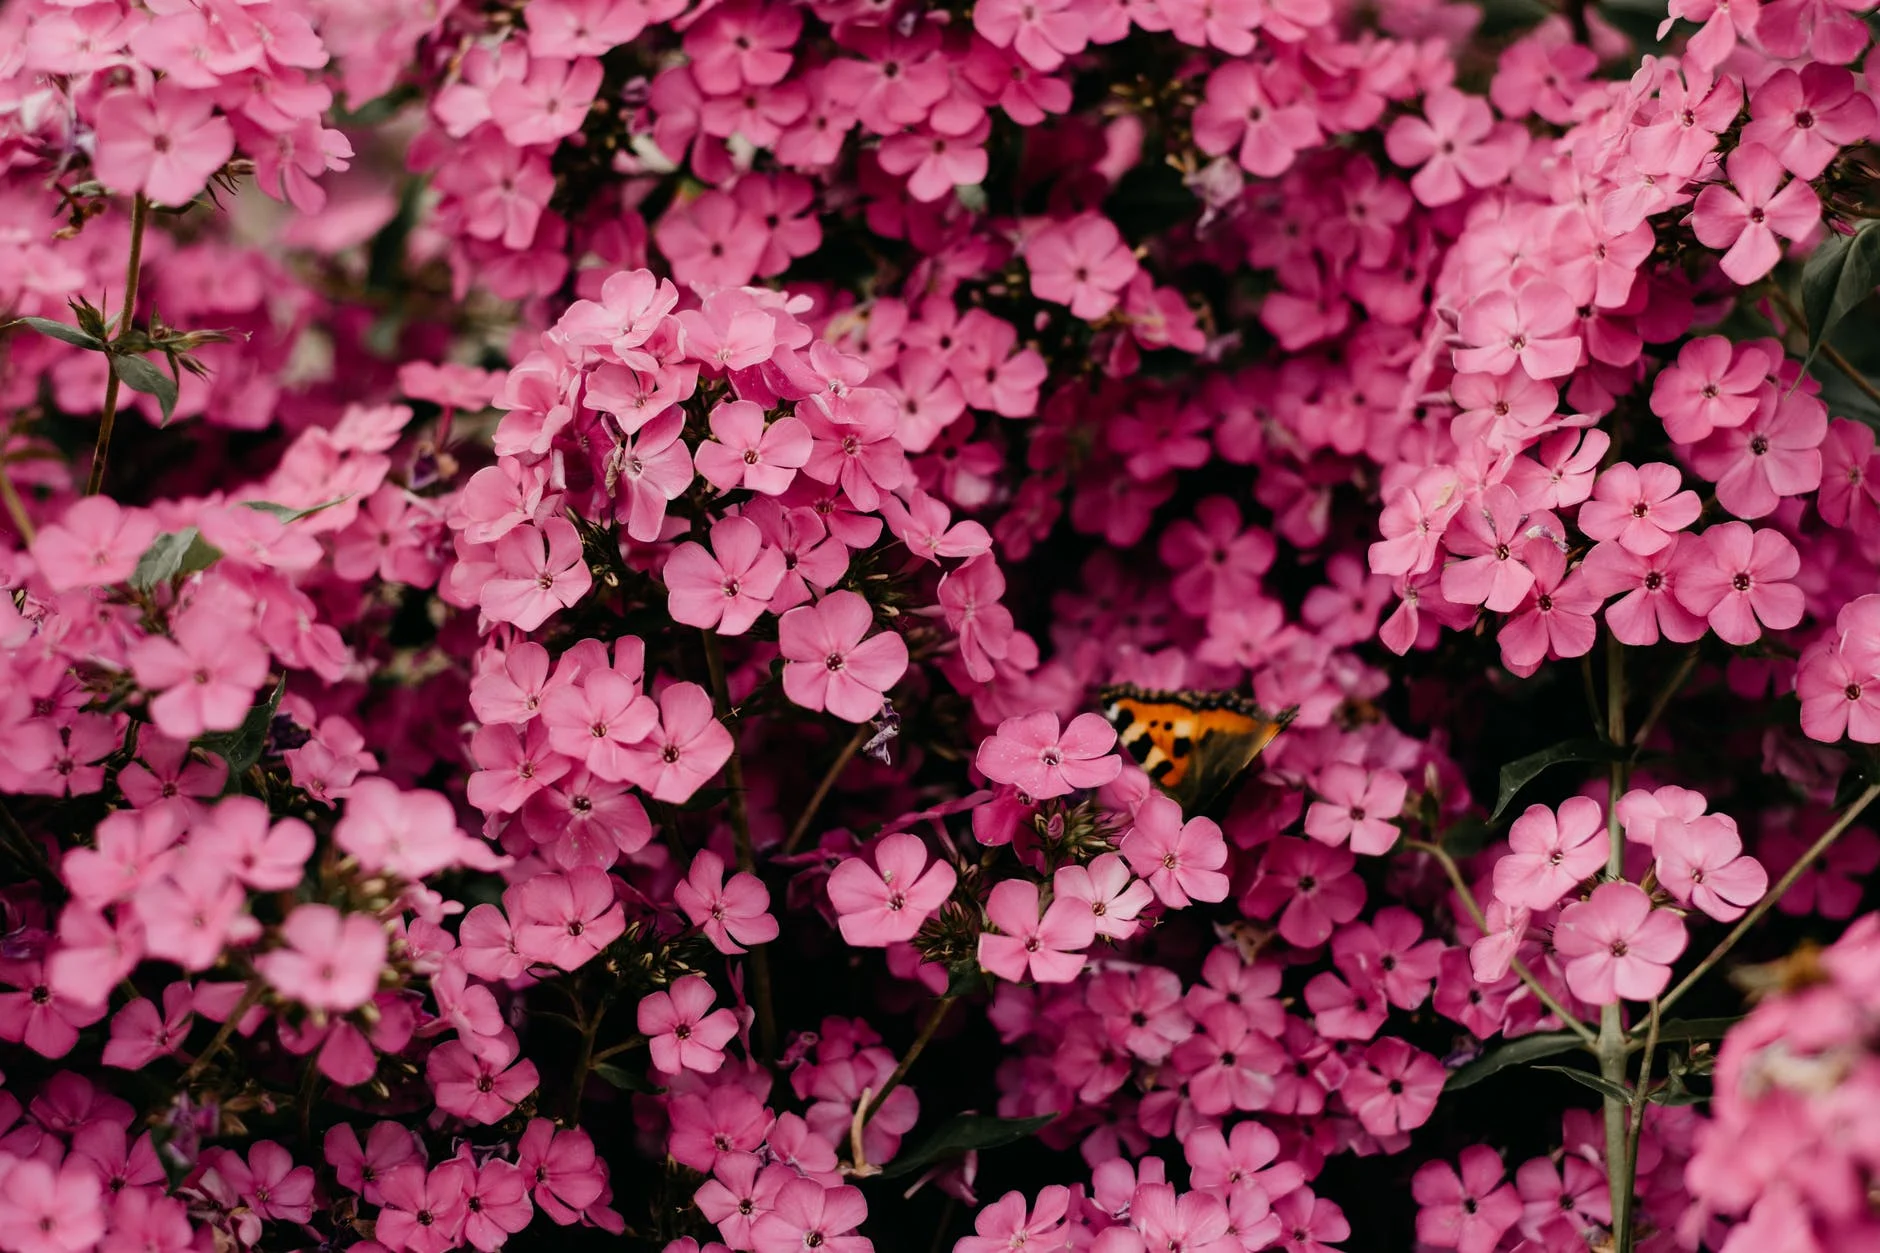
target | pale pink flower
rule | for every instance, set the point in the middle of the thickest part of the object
(828, 664)
(886, 903)
(1048, 947)
(1029, 753)
(330, 961)
(1616, 946)
(682, 1029)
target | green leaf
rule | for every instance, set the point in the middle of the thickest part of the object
(241, 748)
(60, 331)
(172, 555)
(1603, 1086)
(624, 1079)
(963, 1133)
(1522, 771)
(287, 513)
(1517, 1052)
(1839, 275)
(966, 979)
(140, 376)
(1696, 1028)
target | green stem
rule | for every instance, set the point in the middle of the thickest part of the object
(614, 1050)
(107, 418)
(1527, 976)
(821, 794)
(1787, 881)
(747, 854)
(1611, 1047)
(1641, 1093)
(908, 1058)
(584, 1060)
(1665, 693)
(15, 507)
(249, 998)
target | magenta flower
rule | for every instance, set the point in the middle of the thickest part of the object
(1712, 384)
(1311, 888)
(1467, 1212)
(1738, 580)
(595, 721)
(829, 665)
(1048, 947)
(1616, 946)
(1357, 807)
(1747, 220)
(331, 960)
(886, 902)
(728, 589)
(731, 914)
(423, 1211)
(1243, 114)
(1181, 861)
(682, 1029)
(1701, 863)
(1029, 753)
(684, 751)
(811, 1216)
(484, 1086)
(1453, 144)
(1552, 854)
(538, 572)
(48, 1209)
(1490, 538)
(1803, 118)
(1083, 263)
(565, 920)
(1395, 1087)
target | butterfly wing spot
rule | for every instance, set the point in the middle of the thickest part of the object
(1191, 744)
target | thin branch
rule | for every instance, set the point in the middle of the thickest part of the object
(741, 835)
(908, 1058)
(821, 794)
(250, 996)
(1787, 881)
(1665, 693)
(107, 418)
(1527, 976)
(16, 508)
(1641, 1093)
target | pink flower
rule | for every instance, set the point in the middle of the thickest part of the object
(1647, 590)
(1083, 263)
(1701, 863)
(94, 544)
(481, 1087)
(332, 960)
(41, 1016)
(565, 920)
(1468, 1212)
(1712, 384)
(1739, 581)
(205, 674)
(1617, 946)
(1455, 148)
(1180, 860)
(886, 903)
(688, 747)
(1555, 619)
(1106, 887)
(1775, 454)
(731, 914)
(682, 1029)
(1394, 1089)
(1503, 330)
(423, 1212)
(1043, 32)
(1413, 523)
(936, 163)
(1747, 220)
(167, 144)
(1803, 118)
(1049, 948)
(810, 1216)
(829, 665)
(744, 452)
(727, 590)
(1004, 1225)
(1551, 855)
(1311, 888)
(1029, 753)
(596, 721)
(1639, 507)
(712, 241)
(1357, 807)
(1245, 114)
(1490, 538)
(47, 1210)
(538, 571)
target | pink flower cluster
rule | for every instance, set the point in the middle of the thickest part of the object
(549, 659)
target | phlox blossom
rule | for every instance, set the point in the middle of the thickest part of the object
(1616, 946)
(1552, 853)
(331, 960)
(886, 902)
(1030, 753)
(1048, 947)
(683, 1030)
(828, 662)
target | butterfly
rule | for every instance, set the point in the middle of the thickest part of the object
(1191, 744)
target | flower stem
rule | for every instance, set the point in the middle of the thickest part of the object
(16, 508)
(249, 998)
(1641, 1093)
(1527, 976)
(741, 835)
(821, 794)
(908, 1058)
(584, 1060)
(1611, 1047)
(1774, 894)
(107, 418)
(1665, 693)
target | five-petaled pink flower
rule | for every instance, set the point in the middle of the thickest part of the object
(731, 913)
(331, 960)
(1049, 947)
(1552, 853)
(1746, 217)
(728, 588)
(886, 902)
(827, 664)
(1029, 753)
(682, 1029)
(1616, 946)
(1180, 860)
